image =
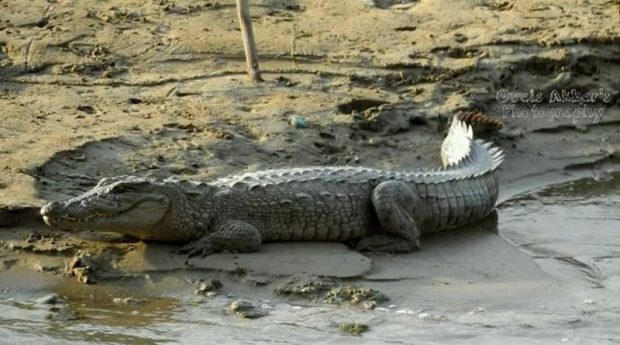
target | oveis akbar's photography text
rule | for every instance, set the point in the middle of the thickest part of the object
(568, 104)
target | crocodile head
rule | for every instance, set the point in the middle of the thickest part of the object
(143, 208)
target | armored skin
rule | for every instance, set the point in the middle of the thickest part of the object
(381, 210)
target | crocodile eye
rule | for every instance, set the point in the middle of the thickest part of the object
(128, 187)
(121, 188)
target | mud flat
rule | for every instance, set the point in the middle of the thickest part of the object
(89, 90)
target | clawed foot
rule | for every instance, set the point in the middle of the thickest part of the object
(200, 248)
(387, 244)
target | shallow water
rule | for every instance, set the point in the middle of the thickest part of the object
(570, 231)
(573, 224)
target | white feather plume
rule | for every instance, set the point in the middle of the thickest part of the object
(458, 143)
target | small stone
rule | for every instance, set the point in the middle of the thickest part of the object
(589, 301)
(211, 285)
(298, 121)
(83, 275)
(246, 309)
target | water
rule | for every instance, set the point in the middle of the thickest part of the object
(559, 286)
(575, 224)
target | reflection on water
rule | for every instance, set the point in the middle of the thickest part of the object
(570, 230)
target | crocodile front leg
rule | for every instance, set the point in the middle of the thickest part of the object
(228, 235)
(395, 204)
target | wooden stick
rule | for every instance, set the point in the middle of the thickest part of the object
(243, 9)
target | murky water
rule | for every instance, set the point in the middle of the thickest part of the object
(572, 295)
(572, 229)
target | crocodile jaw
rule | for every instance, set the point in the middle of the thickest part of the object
(88, 213)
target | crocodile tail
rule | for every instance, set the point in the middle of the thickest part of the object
(460, 150)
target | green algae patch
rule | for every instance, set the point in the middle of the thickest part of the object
(354, 328)
(307, 286)
(355, 295)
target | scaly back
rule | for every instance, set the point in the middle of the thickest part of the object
(461, 155)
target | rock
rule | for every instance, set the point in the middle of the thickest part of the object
(246, 309)
(82, 267)
(210, 285)
(83, 274)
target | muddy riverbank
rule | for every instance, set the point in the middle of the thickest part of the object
(89, 90)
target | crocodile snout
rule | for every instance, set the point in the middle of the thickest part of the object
(48, 210)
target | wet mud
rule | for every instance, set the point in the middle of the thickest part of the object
(158, 88)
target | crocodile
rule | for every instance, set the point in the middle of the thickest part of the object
(373, 209)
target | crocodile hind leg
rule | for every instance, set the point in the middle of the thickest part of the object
(230, 235)
(395, 205)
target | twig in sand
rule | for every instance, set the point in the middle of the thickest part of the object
(243, 9)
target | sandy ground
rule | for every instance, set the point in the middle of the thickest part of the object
(93, 89)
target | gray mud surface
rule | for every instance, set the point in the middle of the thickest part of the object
(93, 89)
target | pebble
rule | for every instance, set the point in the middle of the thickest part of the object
(298, 121)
